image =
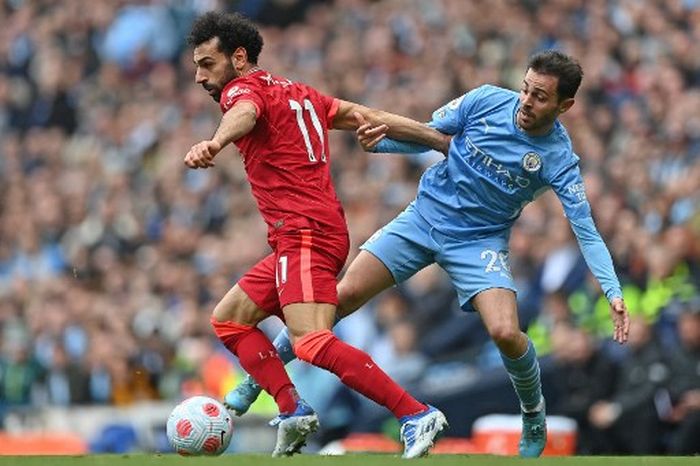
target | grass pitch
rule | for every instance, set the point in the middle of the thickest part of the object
(348, 460)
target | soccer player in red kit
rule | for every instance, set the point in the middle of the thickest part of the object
(281, 131)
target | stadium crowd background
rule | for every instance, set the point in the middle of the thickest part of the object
(113, 254)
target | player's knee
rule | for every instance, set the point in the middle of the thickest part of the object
(226, 309)
(350, 298)
(504, 334)
(237, 307)
(219, 314)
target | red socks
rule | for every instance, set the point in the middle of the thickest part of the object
(259, 358)
(356, 370)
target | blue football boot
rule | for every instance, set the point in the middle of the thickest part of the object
(418, 431)
(534, 434)
(240, 398)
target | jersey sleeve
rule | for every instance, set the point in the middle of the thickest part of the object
(393, 146)
(388, 145)
(330, 106)
(597, 256)
(569, 188)
(453, 116)
(567, 183)
(239, 92)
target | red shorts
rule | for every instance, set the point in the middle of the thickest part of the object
(303, 268)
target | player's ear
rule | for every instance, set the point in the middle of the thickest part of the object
(565, 105)
(239, 58)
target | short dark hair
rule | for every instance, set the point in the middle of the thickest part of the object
(233, 30)
(567, 69)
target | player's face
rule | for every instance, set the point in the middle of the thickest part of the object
(214, 68)
(539, 103)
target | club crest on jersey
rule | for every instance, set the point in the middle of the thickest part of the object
(532, 162)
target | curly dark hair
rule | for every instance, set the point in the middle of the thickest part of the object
(233, 30)
(564, 67)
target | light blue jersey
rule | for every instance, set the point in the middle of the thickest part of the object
(493, 169)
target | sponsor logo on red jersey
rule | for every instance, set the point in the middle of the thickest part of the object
(234, 92)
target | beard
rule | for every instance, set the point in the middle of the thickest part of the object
(535, 123)
(215, 89)
(216, 95)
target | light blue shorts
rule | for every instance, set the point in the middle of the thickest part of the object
(409, 243)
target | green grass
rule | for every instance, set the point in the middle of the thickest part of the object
(349, 460)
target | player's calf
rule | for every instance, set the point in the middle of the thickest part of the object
(245, 393)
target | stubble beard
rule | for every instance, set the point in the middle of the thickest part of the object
(229, 75)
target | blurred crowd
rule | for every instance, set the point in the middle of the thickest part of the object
(113, 254)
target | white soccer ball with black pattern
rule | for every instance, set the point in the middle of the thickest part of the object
(199, 426)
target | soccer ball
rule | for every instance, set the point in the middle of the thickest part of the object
(199, 426)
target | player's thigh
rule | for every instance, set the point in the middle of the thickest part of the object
(305, 318)
(404, 246)
(475, 266)
(253, 298)
(365, 278)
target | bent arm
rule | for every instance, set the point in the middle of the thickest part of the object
(399, 127)
(597, 256)
(236, 123)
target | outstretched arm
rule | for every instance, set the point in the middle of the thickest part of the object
(600, 262)
(373, 139)
(351, 116)
(236, 123)
(568, 185)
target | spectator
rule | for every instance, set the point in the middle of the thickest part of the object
(685, 384)
(19, 371)
(586, 376)
(631, 402)
(66, 382)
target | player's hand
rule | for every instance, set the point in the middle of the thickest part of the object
(367, 135)
(202, 154)
(621, 320)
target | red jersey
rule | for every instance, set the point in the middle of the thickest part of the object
(286, 155)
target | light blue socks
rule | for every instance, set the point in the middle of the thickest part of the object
(524, 372)
(284, 346)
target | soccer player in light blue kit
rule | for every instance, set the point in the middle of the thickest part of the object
(507, 148)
